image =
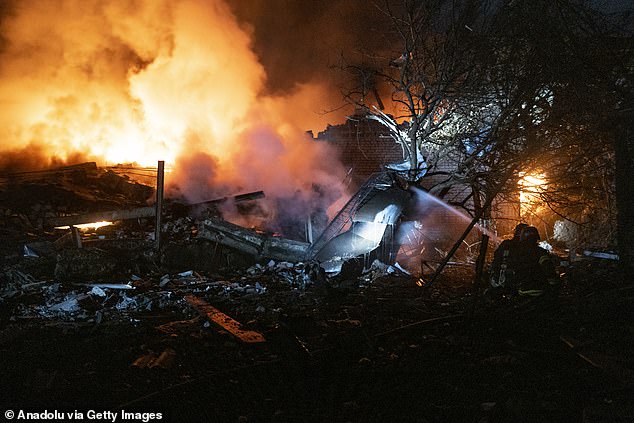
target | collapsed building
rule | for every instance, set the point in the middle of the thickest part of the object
(226, 292)
(385, 218)
(375, 223)
(364, 228)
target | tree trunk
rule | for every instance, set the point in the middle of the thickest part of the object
(413, 153)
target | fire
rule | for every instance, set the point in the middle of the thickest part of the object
(141, 81)
(126, 84)
(94, 225)
(531, 185)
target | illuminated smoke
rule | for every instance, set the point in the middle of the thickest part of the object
(141, 81)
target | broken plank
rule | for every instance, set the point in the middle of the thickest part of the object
(138, 212)
(103, 216)
(160, 185)
(227, 323)
(250, 242)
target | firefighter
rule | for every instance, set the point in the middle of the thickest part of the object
(535, 272)
(502, 272)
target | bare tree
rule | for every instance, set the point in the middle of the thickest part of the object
(498, 91)
(425, 68)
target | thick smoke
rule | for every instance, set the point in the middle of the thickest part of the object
(297, 41)
(141, 81)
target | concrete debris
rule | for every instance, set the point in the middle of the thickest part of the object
(96, 290)
(182, 227)
(379, 269)
(98, 301)
(76, 264)
(126, 303)
(165, 279)
(18, 277)
(237, 287)
(299, 275)
(60, 306)
(113, 272)
(186, 278)
(29, 252)
(8, 292)
(69, 305)
(15, 283)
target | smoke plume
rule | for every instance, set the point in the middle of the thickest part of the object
(142, 80)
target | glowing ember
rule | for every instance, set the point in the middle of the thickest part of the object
(94, 225)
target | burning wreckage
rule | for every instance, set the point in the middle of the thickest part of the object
(363, 230)
(79, 275)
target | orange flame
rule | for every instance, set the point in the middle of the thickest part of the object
(531, 185)
(141, 81)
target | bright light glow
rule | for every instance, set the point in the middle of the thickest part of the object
(93, 225)
(388, 215)
(121, 82)
(370, 230)
(531, 186)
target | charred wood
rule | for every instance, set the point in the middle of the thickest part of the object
(251, 242)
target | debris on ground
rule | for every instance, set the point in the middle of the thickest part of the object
(262, 333)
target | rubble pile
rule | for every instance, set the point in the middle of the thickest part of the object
(28, 199)
(222, 323)
(93, 301)
(297, 275)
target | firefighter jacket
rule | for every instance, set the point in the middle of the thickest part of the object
(522, 267)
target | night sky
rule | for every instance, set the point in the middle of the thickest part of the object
(298, 40)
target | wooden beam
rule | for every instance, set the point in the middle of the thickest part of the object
(227, 323)
(251, 242)
(136, 213)
(160, 184)
(103, 216)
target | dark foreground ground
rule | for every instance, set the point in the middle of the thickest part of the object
(389, 351)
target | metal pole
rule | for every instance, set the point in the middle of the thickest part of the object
(309, 229)
(160, 182)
